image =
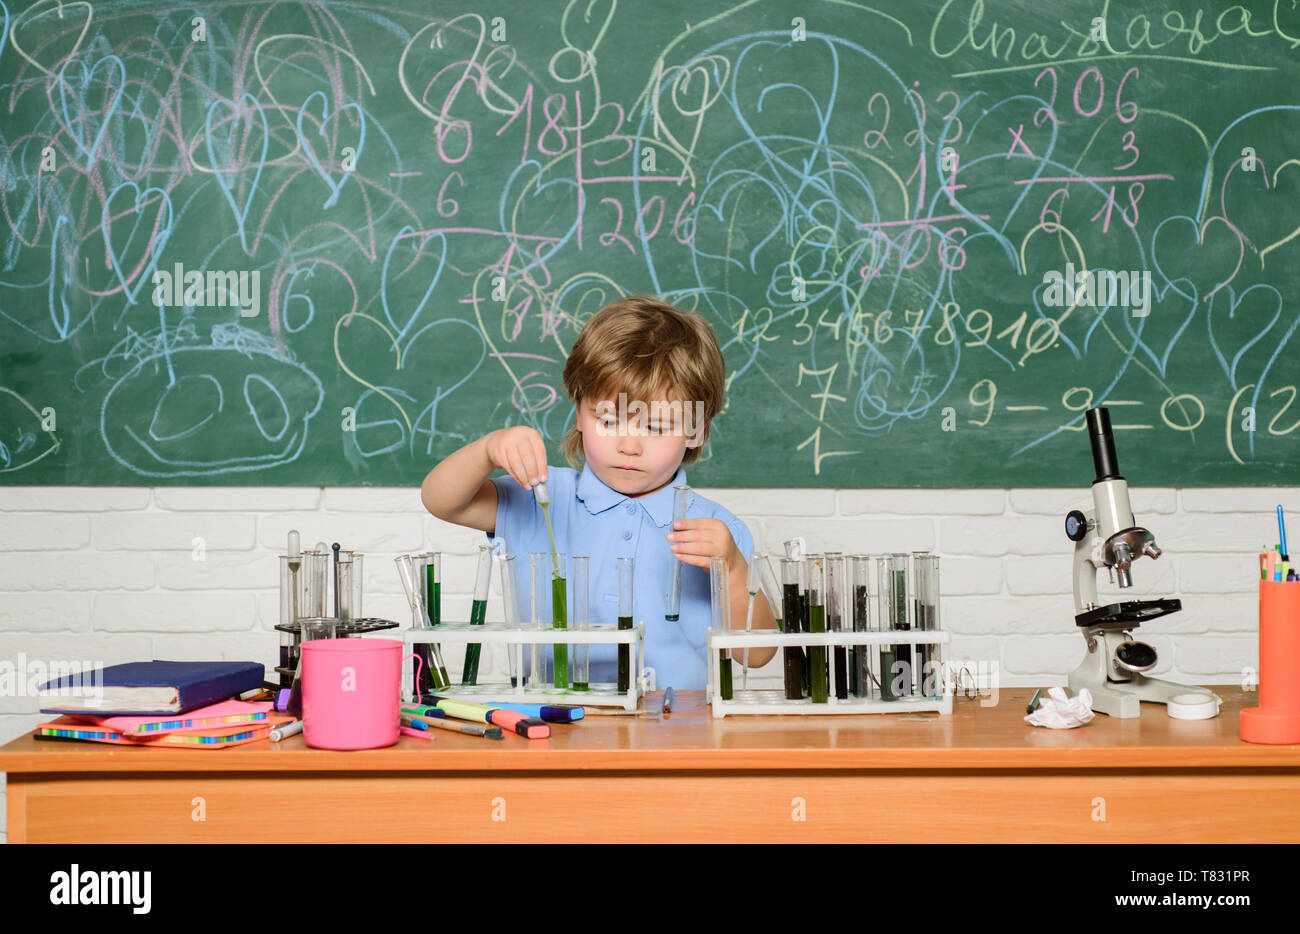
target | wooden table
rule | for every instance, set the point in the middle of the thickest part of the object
(980, 775)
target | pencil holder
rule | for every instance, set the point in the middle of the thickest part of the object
(1277, 718)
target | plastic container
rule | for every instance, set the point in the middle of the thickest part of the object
(1277, 718)
(351, 692)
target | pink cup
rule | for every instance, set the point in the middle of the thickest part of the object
(351, 692)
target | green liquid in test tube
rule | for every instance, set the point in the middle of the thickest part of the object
(432, 656)
(673, 599)
(625, 575)
(559, 596)
(478, 613)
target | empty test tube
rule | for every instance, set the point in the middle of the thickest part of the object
(509, 603)
(541, 581)
(673, 599)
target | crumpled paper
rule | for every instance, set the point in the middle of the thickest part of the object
(1059, 711)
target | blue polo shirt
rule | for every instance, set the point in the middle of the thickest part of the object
(592, 519)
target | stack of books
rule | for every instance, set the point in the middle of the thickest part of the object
(174, 704)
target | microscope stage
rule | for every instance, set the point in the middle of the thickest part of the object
(1133, 611)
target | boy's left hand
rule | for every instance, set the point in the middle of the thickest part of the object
(695, 541)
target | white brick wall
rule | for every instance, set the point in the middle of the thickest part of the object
(112, 574)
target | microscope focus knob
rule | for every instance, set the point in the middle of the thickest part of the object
(1076, 525)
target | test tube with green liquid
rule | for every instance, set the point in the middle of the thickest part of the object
(581, 621)
(433, 606)
(673, 599)
(559, 620)
(860, 676)
(478, 613)
(626, 568)
(836, 574)
(720, 605)
(895, 660)
(793, 654)
(815, 569)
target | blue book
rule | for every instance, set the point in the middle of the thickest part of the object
(155, 687)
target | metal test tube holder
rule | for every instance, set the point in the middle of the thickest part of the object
(601, 694)
(774, 701)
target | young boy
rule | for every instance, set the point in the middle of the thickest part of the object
(636, 350)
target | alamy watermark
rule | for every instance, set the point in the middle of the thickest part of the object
(657, 417)
(27, 677)
(236, 288)
(1099, 287)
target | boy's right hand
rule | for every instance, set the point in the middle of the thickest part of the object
(520, 452)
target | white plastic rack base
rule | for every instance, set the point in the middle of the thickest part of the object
(455, 636)
(774, 701)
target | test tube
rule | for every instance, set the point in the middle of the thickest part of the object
(626, 570)
(793, 654)
(815, 568)
(429, 674)
(323, 627)
(580, 621)
(796, 549)
(559, 620)
(836, 572)
(720, 604)
(315, 587)
(290, 566)
(478, 613)
(860, 676)
(541, 580)
(895, 660)
(926, 613)
(430, 571)
(348, 582)
(673, 599)
(509, 605)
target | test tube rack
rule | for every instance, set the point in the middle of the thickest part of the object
(600, 694)
(774, 701)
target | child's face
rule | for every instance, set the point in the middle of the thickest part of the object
(634, 455)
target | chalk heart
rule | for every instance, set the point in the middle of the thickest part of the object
(1239, 322)
(424, 270)
(1267, 216)
(75, 17)
(1209, 254)
(434, 362)
(228, 167)
(136, 260)
(327, 117)
(86, 102)
(1172, 311)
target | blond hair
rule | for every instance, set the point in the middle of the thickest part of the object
(649, 350)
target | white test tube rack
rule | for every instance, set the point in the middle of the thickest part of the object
(454, 636)
(774, 701)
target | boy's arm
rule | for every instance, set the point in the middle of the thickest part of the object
(458, 489)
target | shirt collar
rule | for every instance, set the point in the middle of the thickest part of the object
(598, 497)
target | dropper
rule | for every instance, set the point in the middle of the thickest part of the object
(544, 500)
(295, 564)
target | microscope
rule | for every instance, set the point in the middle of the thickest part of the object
(1114, 669)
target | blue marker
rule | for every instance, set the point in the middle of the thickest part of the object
(1281, 531)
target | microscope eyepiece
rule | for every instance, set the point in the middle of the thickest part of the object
(1103, 445)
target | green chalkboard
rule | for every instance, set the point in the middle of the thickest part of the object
(328, 243)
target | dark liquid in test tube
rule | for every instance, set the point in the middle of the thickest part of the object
(859, 679)
(792, 655)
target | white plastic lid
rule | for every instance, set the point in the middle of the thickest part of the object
(1193, 706)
